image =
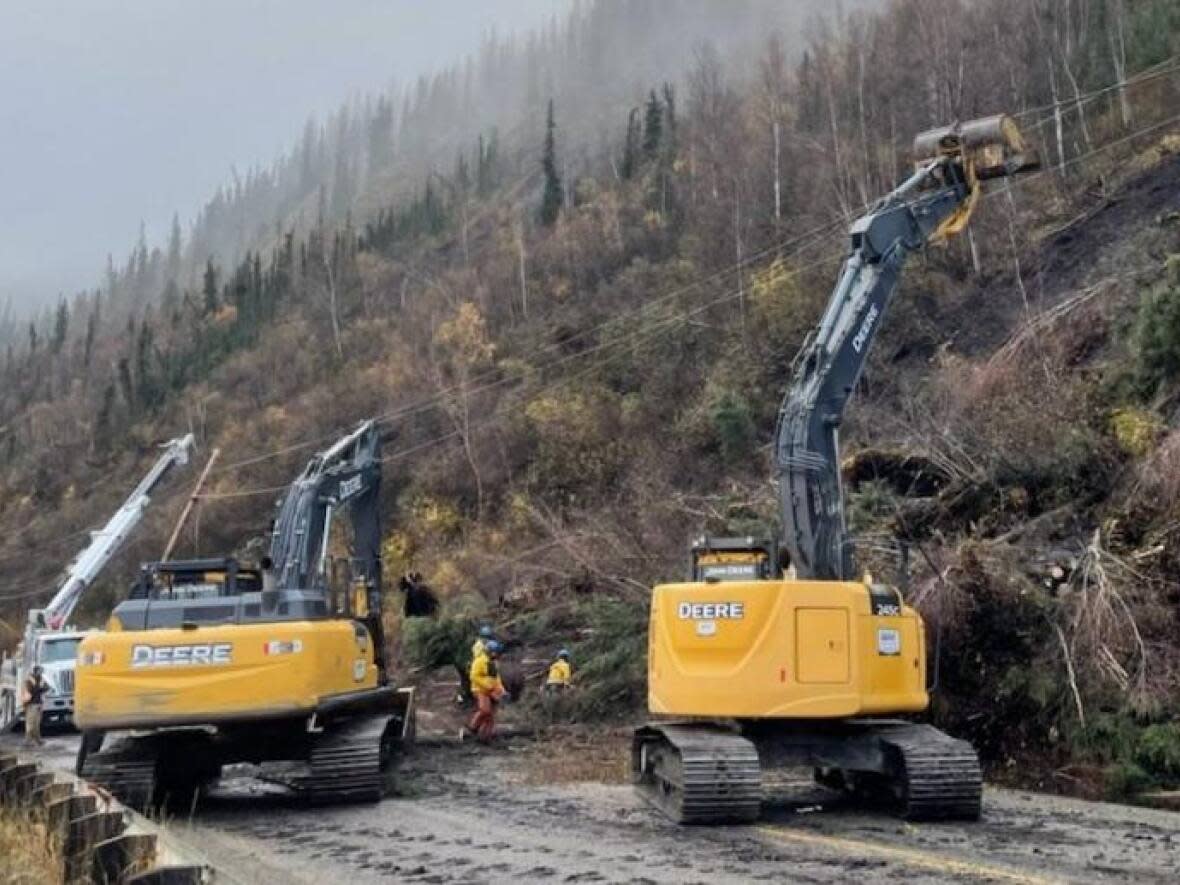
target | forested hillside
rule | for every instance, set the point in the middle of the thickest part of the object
(570, 275)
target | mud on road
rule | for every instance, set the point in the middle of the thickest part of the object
(467, 814)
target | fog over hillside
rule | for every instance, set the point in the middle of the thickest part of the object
(241, 118)
(117, 112)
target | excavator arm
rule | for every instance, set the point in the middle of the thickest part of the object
(348, 474)
(935, 202)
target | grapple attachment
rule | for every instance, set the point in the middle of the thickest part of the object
(990, 147)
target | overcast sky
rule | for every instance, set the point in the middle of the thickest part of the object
(117, 111)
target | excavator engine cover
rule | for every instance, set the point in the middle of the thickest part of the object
(991, 146)
(784, 649)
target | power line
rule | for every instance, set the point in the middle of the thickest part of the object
(800, 242)
(673, 322)
(638, 337)
(1145, 76)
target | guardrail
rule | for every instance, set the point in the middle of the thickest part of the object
(101, 841)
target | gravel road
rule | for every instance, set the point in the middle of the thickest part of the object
(466, 814)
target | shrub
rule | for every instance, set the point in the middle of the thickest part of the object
(1135, 757)
(580, 447)
(1158, 750)
(610, 665)
(433, 643)
(1135, 430)
(733, 425)
(1156, 337)
(1124, 780)
(870, 503)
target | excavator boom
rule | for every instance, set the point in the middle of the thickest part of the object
(936, 201)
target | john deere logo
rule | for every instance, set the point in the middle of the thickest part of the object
(711, 611)
(206, 654)
(858, 343)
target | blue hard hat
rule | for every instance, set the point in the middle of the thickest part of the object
(485, 632)
(494, 647)
(564, 653)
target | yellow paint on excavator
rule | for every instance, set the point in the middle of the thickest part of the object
(782, 649)
(218, 673)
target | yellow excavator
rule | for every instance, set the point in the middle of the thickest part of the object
(764, 661)
(208, 664)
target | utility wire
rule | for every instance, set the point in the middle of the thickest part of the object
(800, 241)
(638, 337)
(677, 320)
(1147, 75)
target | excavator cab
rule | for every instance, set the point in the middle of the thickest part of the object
(717, 560)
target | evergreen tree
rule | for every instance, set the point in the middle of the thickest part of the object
(485, 170)
(104, 420)
(553, 196)
(381, 136)
(126, 383)
(112, 278)
(631, 146)
(462, 175)
(653, 126)
(174, 247)
(91, 332)
(61, 325)
(670, 110)
(343, 185)
(139, 262)
(210, 287)
(480, 168)
(146, 388)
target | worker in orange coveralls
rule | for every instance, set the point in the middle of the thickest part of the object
(488, 689)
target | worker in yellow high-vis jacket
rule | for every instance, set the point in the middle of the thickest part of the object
(488, 688)
(557, 680)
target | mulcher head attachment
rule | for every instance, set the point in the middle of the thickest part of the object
(990, 147)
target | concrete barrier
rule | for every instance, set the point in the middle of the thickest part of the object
(101, 841)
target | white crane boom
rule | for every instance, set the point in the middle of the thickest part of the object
(107, 541)
(47, 641)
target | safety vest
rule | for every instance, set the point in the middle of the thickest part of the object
(485, 679)
(559, 672)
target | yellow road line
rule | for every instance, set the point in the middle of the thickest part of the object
(908, 856)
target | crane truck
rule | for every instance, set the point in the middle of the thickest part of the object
(763, 661)
(208, 664)
(48, 641)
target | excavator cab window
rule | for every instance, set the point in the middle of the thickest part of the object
(720, 560)
(197, 579)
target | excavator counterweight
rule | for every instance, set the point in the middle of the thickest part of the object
(765, 658)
